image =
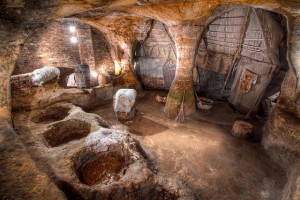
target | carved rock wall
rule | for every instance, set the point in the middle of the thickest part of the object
(103, 58)
(10, 38)
(282, 138)
(51, 45)
(186, 35)
(122, 33)
(156, 58)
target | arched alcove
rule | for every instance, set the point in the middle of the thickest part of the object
(242, 57)
(52, 45)
(155, 58)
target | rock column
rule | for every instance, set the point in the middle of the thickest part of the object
(186, 35)
(281, 131)
(121, 52)
(121, 35)
(289, 98)
(10, 38)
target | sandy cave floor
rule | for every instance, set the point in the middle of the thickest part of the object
(202, 153)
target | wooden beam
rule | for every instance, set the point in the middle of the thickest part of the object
(239, 49)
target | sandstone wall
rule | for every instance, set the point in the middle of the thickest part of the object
(155, 62)
(282, 140)
(10, 38)
(51, 45)
(102, 52)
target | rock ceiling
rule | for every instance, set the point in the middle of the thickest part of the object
(162, 10)
(172, 9)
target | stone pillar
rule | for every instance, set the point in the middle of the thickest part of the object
(186, 35)
(290, 90)
(121, 53)
(281, 131)
(294, 45)
(10, 38)
(121, 38)
(294, 48)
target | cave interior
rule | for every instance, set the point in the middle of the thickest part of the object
(150, 99)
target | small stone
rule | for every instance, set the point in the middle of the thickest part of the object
(242, 129)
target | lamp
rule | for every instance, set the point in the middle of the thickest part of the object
(118, 68)
(94, 74)
(73, 39)
(72, 29)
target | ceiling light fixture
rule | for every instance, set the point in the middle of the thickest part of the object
(94, 74)
(72, 29)
(73, 39)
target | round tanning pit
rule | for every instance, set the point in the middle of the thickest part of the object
(66, 131)
(101, 168)
(51, 114)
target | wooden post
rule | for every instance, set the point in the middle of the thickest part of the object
(271, 74)
(239, 49)
(267, 47)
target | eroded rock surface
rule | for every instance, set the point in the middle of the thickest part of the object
(126, 23)
(87, 159)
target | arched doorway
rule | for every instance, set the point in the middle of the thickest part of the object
(242, 58)
(63, 43)
(155, 58)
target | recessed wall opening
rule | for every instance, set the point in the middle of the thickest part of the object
(75, 48)
(242, 58)
(155, 58)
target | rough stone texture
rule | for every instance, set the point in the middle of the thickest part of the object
(124, 100)
(10, 38)
(51, 93)
(294, 48)
(292, 189)
(50, 45)
(20, 177)
(242, 129)
(122, 31)
(102, 53)
(203, 153)
(180, 11)
(186, 36)
(66, 163)
(282, 139)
